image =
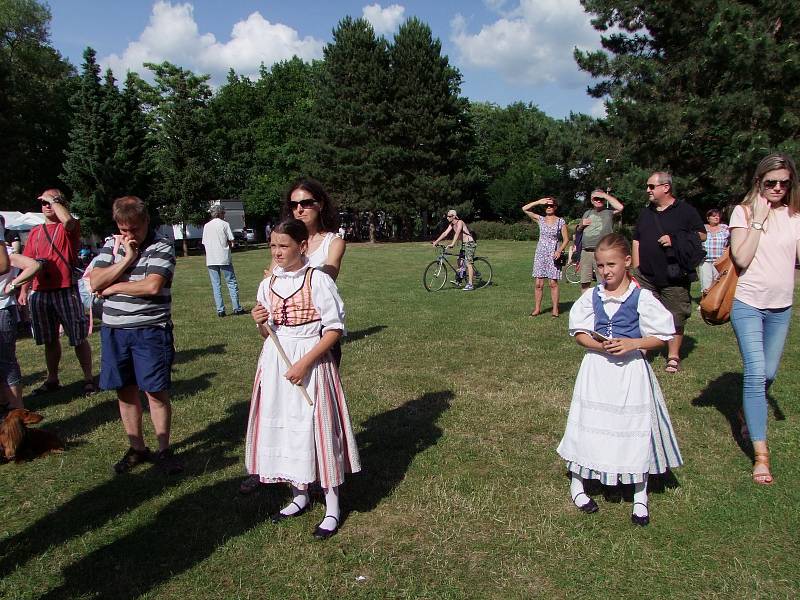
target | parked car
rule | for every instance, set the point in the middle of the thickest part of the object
(250, 235)
(239, 238)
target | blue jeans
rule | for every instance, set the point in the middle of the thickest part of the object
(233, 286)
(761, 334)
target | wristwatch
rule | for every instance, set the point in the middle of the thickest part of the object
(757, 226)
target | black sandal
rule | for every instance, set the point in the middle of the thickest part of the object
(279, 516)
(589, 508)
(324, 534)
(46, 388)
(132, 458)
(644, 520)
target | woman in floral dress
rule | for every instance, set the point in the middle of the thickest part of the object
(548, 250)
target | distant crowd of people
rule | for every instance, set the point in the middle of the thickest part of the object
(299, 430)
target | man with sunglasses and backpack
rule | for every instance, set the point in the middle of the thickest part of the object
(55, 300)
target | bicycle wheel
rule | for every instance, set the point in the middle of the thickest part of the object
(482, 272)
(572, 273)
(435, 276)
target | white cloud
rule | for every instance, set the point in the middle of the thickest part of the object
(384, 20)
(530, 44)
(172, 34)
(598, 109)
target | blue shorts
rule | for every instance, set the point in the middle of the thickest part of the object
(137, 356)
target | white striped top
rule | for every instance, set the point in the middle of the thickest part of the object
(131, 312)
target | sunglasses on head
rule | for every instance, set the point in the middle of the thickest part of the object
(307, 203)
(771, 183)
(652, 186)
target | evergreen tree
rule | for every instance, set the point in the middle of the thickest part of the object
(183, 171)
(89, 156)
(351, 117)
(702, 88)
(35, 86)
(429, 132)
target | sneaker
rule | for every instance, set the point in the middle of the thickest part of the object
(468, 288)
(240, 311)
(168, 462)
(132, 458)
(220, 313)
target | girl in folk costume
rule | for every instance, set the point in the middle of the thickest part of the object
(287, 439)
(618, 429)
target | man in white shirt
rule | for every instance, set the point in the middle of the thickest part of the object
(217, 240)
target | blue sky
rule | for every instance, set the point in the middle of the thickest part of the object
(506, 50)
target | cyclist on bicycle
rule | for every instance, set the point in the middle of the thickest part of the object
(468, 244)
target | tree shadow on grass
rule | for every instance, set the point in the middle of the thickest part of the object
(184, 533)
(354, 336)
(187, 356)
(725, 394)
(212, 449)
(388, 444)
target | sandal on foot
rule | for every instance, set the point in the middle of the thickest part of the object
(89, 388)
(132, 458)
(279, 516)
(764, 476)
(167, 461)
(249, 485)
(673, 365)
(642, 521)
(535, 313)
(589, 508)
(324, 534)
(46, 388)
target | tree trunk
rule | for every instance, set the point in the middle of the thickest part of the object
(185, 241)
(372, 227)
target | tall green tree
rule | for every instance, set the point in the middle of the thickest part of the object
(35, 85)
(183, 168)
(351, 115)
(89, 157)
(704, 88)
(282, 132)
(429, 132)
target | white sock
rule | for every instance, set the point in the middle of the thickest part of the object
(576, 491)
(299, 501)
(331, 509)
(640, 498)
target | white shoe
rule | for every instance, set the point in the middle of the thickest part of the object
(468, 288)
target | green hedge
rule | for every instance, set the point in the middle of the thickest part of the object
(492, 230)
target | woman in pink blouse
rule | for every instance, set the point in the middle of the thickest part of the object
(765, 244)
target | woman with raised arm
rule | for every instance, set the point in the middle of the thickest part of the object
(765, 244)
(548, 250)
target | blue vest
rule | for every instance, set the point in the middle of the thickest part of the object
(625, 323)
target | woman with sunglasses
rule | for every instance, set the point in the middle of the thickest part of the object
(765, 244)
(548, 250)
(308, 201)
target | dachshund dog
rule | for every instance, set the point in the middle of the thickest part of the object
(18, 442)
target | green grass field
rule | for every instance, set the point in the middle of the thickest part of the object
(458, 400)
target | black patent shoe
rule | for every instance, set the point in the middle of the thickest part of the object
(324, 534)
(641, 521)
(589, 508)
(279, 516)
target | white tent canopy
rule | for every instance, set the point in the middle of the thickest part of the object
(17, 221)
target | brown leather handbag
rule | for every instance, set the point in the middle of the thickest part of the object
(716, 304)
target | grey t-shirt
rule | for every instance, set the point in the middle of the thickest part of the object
(602, 224)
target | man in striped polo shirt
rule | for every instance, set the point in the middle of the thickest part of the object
(137, 347)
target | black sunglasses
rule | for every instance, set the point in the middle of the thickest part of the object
(652, 186)
(784, 183)
(550, 205)
(307, 203)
